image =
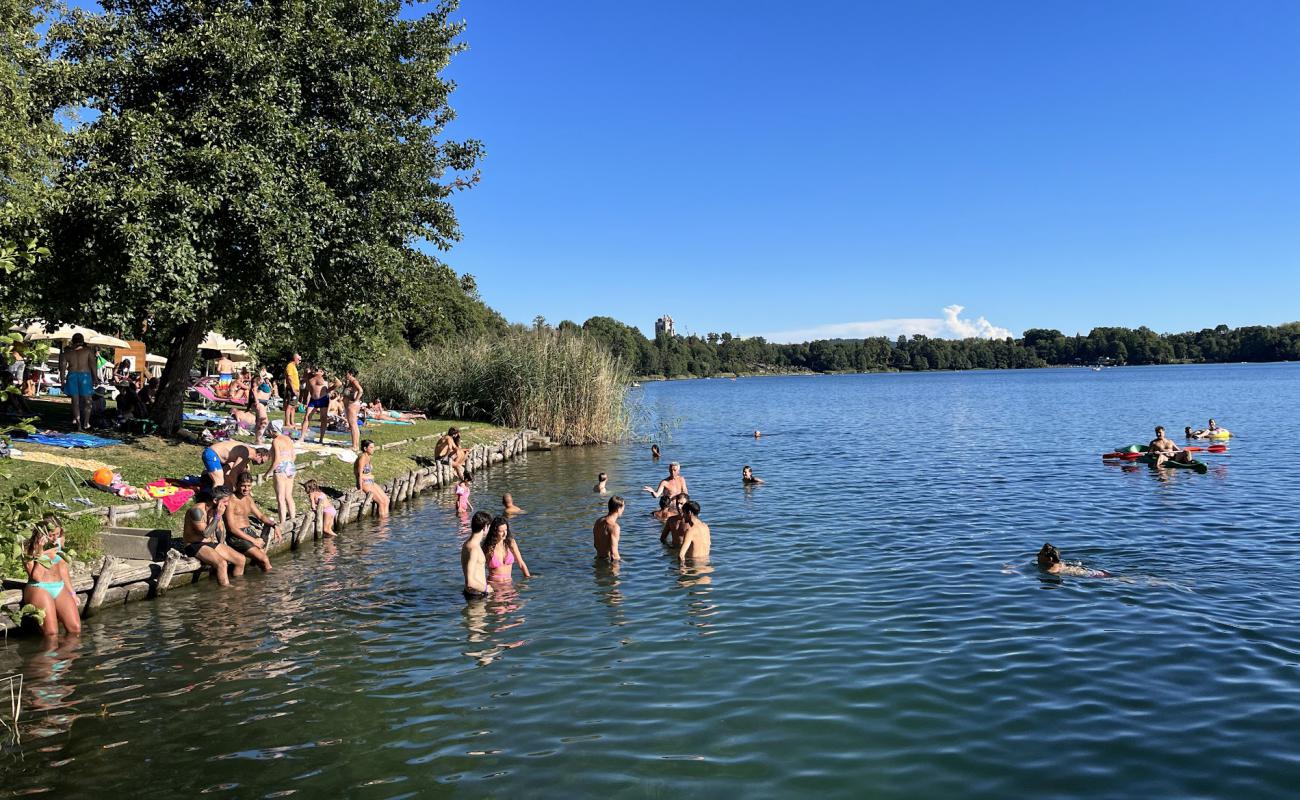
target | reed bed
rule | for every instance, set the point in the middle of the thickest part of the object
(562, 384)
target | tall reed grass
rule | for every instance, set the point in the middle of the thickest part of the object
(564, 385)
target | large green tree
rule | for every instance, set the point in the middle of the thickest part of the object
(267, 168)
(27, 136)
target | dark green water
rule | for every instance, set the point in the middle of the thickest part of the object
(870, 624)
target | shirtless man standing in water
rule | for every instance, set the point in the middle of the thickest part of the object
(696, 537)
(318, 400)
(674, 484)
(473, 562)
(77, 365)
(1165, 450)
(670, 534)
(606, 531)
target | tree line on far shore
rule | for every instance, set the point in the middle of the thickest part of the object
(714, 354)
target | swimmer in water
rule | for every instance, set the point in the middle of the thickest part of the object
(599, 488)
(669, 534)
(1049, 561)
(665, 508)
(758, 434)
(654, 452)
(508, 506)
(747, 476)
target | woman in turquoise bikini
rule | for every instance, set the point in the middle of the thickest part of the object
(366, 480)
(46, 588)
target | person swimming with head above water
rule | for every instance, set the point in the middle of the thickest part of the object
(1049, 561)
(665, 508)
(748, 477)
(599, 488)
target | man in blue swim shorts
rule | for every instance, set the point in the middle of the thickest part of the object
(224, 462)
(76, 373)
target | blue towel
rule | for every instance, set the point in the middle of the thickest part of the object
(70, 440)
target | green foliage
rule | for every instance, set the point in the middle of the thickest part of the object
(27, 130)
(266, 169)
(562, 384)
(22, 506)
(27, 610)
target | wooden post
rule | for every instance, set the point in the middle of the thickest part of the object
(102, 581)
(168, 572)
(112, 516)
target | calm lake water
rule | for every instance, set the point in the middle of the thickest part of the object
(870, 624)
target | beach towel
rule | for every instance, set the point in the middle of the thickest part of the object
(70, 440)
(201, 415)
(61, 461)
(173, 497)
(341, 453)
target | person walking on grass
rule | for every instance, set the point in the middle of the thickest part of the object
(238, 517)
(77, 375)
(282, 471)
(259, 392)
(292, 388)
(318, 400)
(352, 393)
(225, 376)
(364, 472)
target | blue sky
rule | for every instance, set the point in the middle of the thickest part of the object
(849, 168)
(764, 167)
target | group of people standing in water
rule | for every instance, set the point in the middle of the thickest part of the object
(488, 556)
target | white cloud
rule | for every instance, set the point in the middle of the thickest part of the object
(950, 326)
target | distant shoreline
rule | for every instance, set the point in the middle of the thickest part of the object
(810, 373)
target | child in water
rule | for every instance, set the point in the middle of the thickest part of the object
(462, 492)
(1049, 560)
(319, 500)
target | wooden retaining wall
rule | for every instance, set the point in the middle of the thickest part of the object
(115, 580)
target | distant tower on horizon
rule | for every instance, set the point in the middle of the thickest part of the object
(664, 325)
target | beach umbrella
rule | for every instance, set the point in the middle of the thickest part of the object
(36, 331)
(104, 340)
(153, 358)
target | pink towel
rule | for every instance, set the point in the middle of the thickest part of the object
(173, 498)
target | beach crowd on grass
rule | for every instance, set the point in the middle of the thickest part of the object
(224, 528)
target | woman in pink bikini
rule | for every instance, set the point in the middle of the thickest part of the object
(502, 552)
(463, 487)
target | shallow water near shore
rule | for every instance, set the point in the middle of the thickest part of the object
(870, 624)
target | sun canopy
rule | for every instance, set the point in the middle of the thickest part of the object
(36, 331)
(230, 347)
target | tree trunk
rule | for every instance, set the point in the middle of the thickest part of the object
(175, 381)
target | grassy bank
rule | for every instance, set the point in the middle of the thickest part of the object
(144, 459)
(564, 385)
